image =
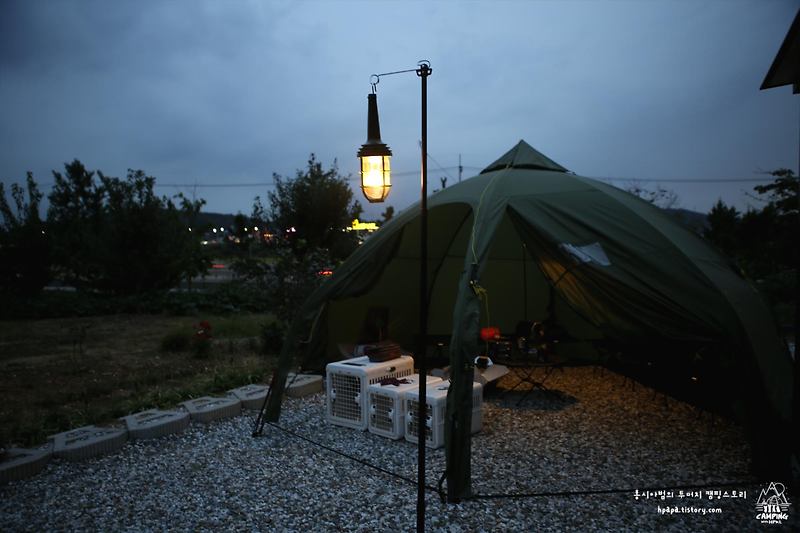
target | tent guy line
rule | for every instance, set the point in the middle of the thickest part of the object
(352, 458)
(591, 492)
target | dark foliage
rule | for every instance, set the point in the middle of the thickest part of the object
(763, 241)
(388, 214)
(723, 227)
(284, 283)
(116, 236)
(318, 204)
(25, 243)
(273, 336)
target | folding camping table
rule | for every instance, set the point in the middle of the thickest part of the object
(525, 368)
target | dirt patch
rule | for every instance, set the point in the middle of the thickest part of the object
(56, 372)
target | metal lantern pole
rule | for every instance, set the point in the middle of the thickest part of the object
(375, 146)
(423, 72)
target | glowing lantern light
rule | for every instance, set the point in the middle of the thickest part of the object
(374, 155)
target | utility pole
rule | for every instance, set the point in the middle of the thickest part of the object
(460, 168)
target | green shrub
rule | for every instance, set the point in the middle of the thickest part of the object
(237, 327)
(273, 335)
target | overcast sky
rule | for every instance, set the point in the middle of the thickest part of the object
(200, 93)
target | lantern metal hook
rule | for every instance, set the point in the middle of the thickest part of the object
(374, 80)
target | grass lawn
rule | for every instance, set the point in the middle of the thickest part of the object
(58, 374)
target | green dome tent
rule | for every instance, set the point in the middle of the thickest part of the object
(543, 243)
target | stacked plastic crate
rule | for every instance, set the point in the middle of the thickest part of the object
(348, 382)
(387, 405)
(436, 413)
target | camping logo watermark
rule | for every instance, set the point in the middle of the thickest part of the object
(772, 505)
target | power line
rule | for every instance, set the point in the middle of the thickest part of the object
(201, 185)
(737, 180)
(437, 163)
(444, 169)
(269, 184)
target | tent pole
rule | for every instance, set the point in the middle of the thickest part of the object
(423, 72)
(525, 279)
(795, 476)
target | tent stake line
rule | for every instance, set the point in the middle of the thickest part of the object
(352, 458)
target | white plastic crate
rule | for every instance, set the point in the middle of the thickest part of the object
(387, 414)
(348, 382)
(436, 413)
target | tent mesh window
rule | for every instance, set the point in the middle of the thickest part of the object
(383, 412)
(345, 405)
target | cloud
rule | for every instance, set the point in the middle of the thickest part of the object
(222, 92)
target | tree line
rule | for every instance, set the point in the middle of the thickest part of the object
(101, 234)
(109, 235)
(763, 242)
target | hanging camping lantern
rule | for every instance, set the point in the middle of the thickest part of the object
(374, 155)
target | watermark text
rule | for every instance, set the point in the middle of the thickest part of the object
(688, 510)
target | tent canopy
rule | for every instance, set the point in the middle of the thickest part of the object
(548, 244)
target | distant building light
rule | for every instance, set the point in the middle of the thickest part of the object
(363, 226)
(215, 230)
(256, 228)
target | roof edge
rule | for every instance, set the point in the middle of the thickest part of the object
(782, 57)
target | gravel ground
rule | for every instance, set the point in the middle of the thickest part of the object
(599, 435)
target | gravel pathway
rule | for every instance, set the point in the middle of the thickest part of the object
(600, 435)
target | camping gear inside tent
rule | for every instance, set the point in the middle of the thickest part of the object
(612, 271)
